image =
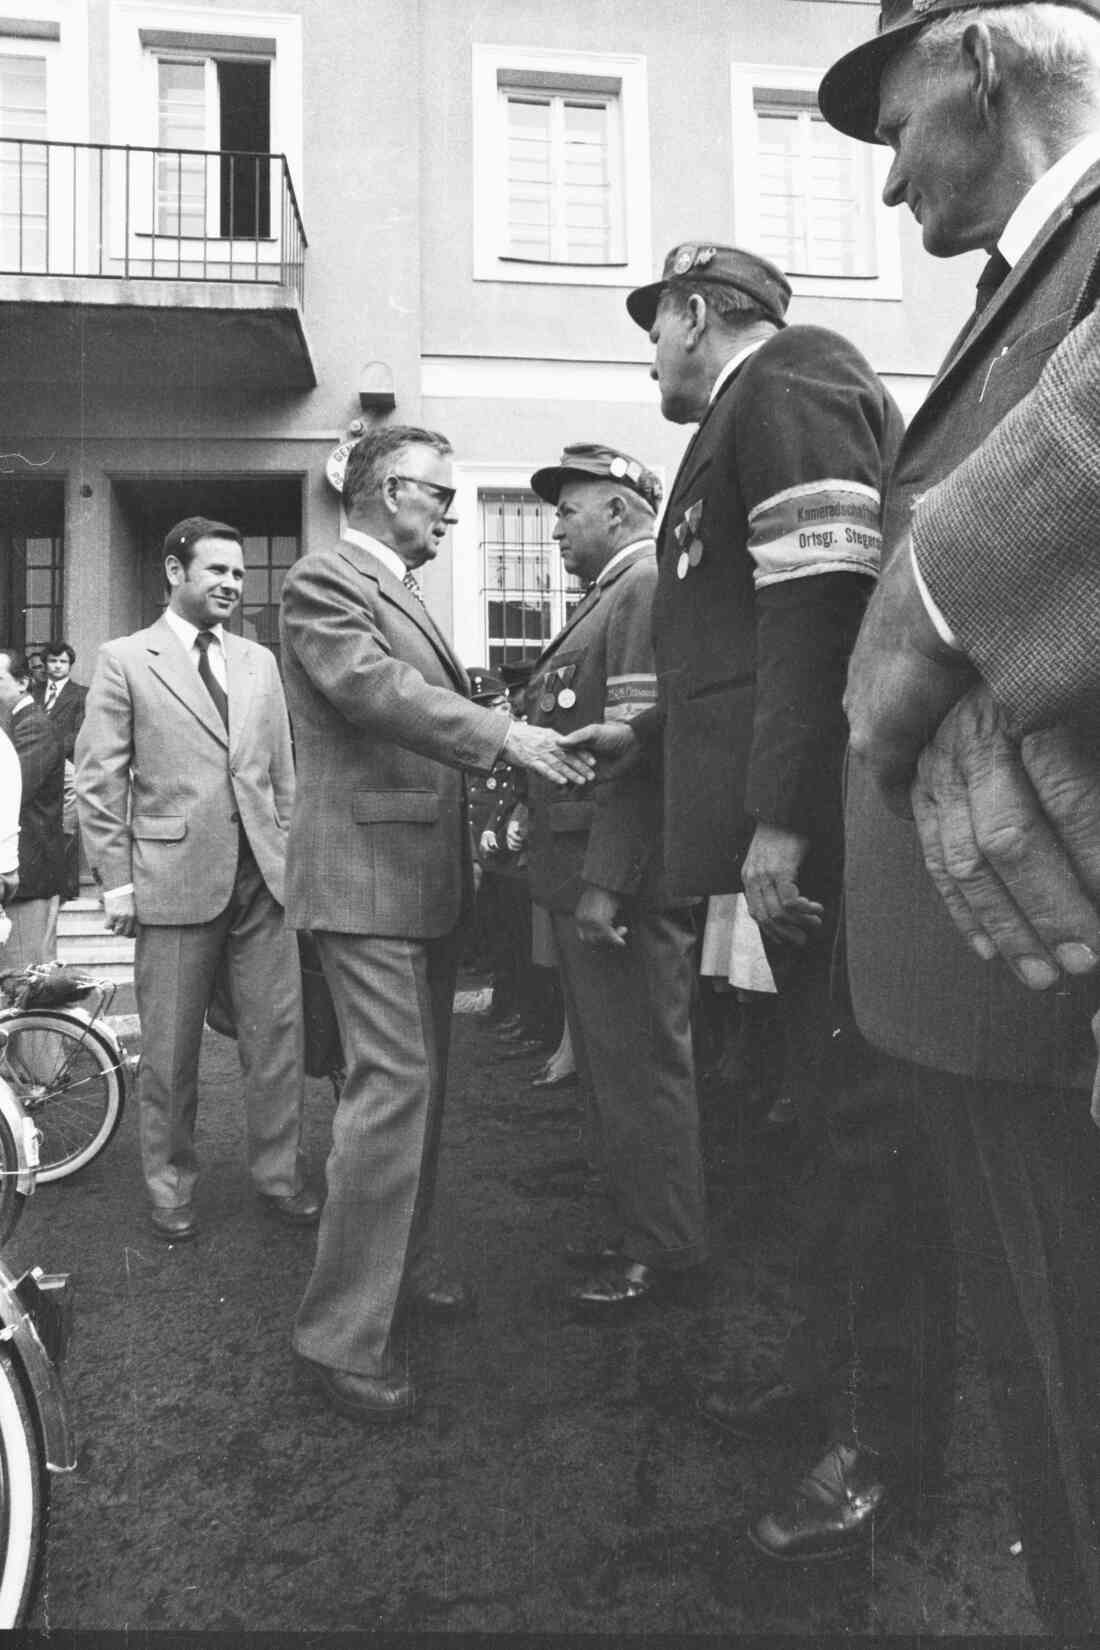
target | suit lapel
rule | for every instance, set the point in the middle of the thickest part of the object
(1015, 283)
(240, 675)
(392, 590)
(169, 663)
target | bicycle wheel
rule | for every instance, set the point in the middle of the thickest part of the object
(11, 1198)
(24, 1499)
(66, 1073)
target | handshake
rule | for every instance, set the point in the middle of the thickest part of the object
(603, 750)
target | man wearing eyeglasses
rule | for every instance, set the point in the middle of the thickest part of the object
(379, 867)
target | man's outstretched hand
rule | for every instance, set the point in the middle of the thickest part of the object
(769, 876)
(614, 745)
(543, 751)
(1011, 836)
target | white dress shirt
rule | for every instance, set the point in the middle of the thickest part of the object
(186, 631)
(387, 556)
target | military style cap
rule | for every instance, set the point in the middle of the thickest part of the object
(585, 461)
(485, 684)
(848, 95)
(516, 672)
(696, 262)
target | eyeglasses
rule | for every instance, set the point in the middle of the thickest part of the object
(445, 495)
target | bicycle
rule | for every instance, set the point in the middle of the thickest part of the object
(67, 1068)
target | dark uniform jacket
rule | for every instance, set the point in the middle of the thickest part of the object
(917, 989)
(767, 552)
(66, 713)
(599, 667)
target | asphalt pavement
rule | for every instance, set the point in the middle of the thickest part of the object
(558, 1480)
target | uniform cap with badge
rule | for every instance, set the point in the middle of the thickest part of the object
(700, 264)
(486, 685)
(848, 94)
(587, 461)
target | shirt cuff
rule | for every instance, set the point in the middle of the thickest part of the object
(943, 629)
(123, 888)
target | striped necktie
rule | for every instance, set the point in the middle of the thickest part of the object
(412, 587)
(213, 687)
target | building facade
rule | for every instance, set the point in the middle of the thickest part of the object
(227, 234)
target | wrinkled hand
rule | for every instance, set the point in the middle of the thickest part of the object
(542, 751)
(595, 916)
(1011, 837)
(902, 681)
(769, 876)
(9, 886)
(121, 913)
(614, 744)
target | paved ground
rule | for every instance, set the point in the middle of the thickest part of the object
(558, 1480)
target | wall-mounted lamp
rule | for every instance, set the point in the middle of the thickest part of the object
(376, 392)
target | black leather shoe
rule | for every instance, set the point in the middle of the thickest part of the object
(174, 1225)
(624, 1284)
(770, 1409)
(301, 1208)
(367, 1398)
(835, 1512)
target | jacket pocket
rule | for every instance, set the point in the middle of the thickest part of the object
(395, 807)
(571, 816)
(159, 827)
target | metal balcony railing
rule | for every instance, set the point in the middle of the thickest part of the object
(129, 212)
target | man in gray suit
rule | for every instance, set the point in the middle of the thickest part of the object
(379, 867)
(185, 784)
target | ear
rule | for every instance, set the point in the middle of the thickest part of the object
(616, 508)
(174, 570)
(983, 69)
(695, 320)
(389, 494)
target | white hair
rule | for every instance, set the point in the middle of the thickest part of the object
(1055, 42)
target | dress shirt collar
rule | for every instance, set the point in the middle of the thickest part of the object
(186, 631)
(389, 558)
(734, 362)
(620, 556)
(1045, 197)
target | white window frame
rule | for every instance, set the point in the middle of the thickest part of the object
(747, 79)
(135, 101)
(67, 104)
(492, 66)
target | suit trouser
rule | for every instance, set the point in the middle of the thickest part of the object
(33, 937)
(1021, 1166)
(174, 971)
(393, 1000)
(629, 1015)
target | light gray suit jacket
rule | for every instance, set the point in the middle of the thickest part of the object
(379, 840)
(163, 789)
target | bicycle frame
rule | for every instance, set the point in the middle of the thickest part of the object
(36, 1320)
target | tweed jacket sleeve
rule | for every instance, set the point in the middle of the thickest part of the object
(815, 437)
(1008, 545)
(329, 618)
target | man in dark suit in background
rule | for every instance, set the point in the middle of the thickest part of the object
(624, 947)
(993, 116)
(63, 701)
(379, 866)
(33, 908)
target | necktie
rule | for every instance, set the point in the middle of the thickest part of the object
(412, 587)
(210, 681)
(990, 279)
(51, 695)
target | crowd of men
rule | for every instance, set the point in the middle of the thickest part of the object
(925, 906)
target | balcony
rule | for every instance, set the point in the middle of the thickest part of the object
(162, 263)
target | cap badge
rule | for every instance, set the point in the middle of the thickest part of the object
(924, 5)
(683, 260)
(704, 256)
(618, 467)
